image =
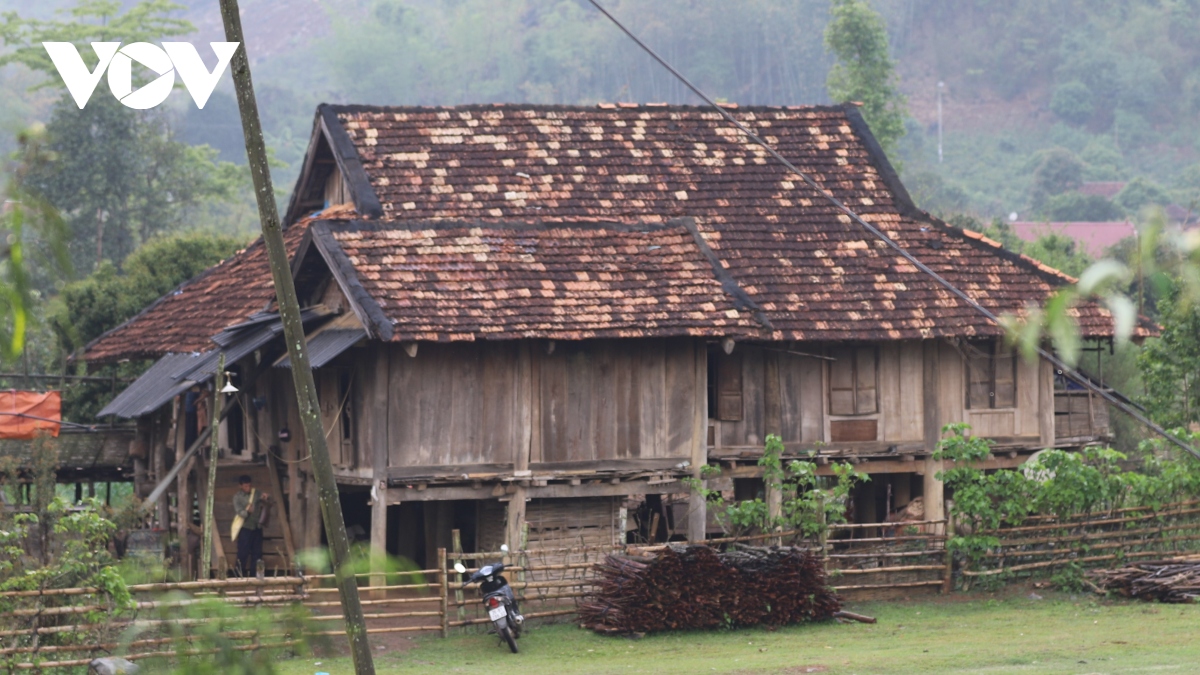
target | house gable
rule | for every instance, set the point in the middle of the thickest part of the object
(332, 173)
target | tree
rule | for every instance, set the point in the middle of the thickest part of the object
(1073, 102)
(1077, 207)
(1058, 251)
(1058, 170)
(1170, 365)
(119, 178)
(117, 175)
(1140, 193)
(104, 299)
(864, 71)
(89, 21)
(32, 239)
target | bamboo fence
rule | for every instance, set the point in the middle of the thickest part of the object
(43, 629)
(1045, 544)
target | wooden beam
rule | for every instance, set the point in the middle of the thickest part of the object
(397, 495)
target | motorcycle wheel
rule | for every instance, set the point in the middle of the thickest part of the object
(507, 634)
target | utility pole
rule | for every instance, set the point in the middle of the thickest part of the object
(214, 453)
(297, 346)
(941, 86)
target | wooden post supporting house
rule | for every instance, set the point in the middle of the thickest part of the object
(1046, 404)
(379, 506)
(934, 494)
(183, 513)
(514, 522)
(697, 522)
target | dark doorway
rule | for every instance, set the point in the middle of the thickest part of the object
(416, 530)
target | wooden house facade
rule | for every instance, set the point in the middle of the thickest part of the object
(520, 317)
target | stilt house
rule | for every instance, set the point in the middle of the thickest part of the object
(520, 316)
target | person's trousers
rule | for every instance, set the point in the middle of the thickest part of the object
(249, 551)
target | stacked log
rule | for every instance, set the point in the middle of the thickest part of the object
(1165, 580)
(696, 587)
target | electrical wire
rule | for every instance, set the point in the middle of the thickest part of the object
(876, 232)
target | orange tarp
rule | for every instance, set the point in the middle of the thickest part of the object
(24, 413)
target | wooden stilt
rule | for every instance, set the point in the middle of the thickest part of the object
(379, 537)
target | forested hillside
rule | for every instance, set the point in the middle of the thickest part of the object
(1039, 99)
(1114, 82)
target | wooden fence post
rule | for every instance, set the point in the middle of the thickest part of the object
(948, 581)
(445, 579)
(456, 542)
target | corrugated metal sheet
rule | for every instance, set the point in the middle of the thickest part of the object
(154, 388)
(242, 339)
(326, 345)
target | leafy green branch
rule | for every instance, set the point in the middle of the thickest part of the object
(808, 502)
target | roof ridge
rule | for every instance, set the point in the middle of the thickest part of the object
(599, 106)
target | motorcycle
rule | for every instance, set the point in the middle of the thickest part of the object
(498, 598)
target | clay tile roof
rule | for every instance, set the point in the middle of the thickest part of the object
(452, 280)
(816, 274)
(777, 244)
(184, 319)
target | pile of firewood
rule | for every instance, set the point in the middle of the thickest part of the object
(696, 587)
(1165, 580)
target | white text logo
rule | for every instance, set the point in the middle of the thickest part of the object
(165, 61)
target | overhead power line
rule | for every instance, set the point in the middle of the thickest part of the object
(1054, 360)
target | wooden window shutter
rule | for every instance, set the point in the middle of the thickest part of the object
(865, 401)
(991, 375)
(1004, 377)
(841, 382)
(729, 387)
(979, 376)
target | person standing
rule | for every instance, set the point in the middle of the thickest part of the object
(250, 510)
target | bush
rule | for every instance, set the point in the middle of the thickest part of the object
(1073, 102)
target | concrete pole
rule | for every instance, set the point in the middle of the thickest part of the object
(297, 346)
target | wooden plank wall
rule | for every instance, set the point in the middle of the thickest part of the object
(454, 404)
(513, 402)
(903, 408)
(802, 407)
(612, 400)
(509, 403)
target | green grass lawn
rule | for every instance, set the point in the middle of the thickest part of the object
(967, 634)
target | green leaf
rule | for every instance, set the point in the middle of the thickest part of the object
(1103, 274)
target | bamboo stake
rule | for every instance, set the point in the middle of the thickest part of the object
(456, 542)
(1062, 561)
(297, 346)
(909, 584)
(885, 570)
(948, 579)
(214, 453)
(445, 592)
(1091, 523)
